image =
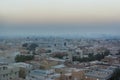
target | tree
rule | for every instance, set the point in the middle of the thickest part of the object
(23, 58)
(32, 47)
(25, 45)
(65, 43)
(60, 55)
(116, 75)
(107, 52)
(48, 51)
(91, 57)
(118, 52)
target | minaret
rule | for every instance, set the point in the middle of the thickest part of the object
(70, 55)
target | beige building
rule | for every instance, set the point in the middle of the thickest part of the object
(72, 74)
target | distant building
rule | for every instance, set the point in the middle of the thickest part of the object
(77, 53)
(112, 59)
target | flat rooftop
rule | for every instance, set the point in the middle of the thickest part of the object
(100, 73)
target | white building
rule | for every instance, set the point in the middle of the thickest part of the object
(23, 65)
(78, 53)
(24, 68)
(99, 74)
(42, 75)
(8, 72)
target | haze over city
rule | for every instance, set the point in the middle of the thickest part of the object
(59, 17)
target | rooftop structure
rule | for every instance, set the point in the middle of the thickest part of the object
(99, 74)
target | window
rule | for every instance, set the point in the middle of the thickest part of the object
(78, 53)
(4, 68)
(15, 73)
(6, 74)
(70, 77)
(3, 75)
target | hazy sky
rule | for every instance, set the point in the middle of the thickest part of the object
(34, 17)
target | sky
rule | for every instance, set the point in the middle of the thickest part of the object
(59, 17)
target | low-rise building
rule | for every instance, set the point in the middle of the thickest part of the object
(24, 68)
(42, 75)
(8, 72)
(98, 74)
